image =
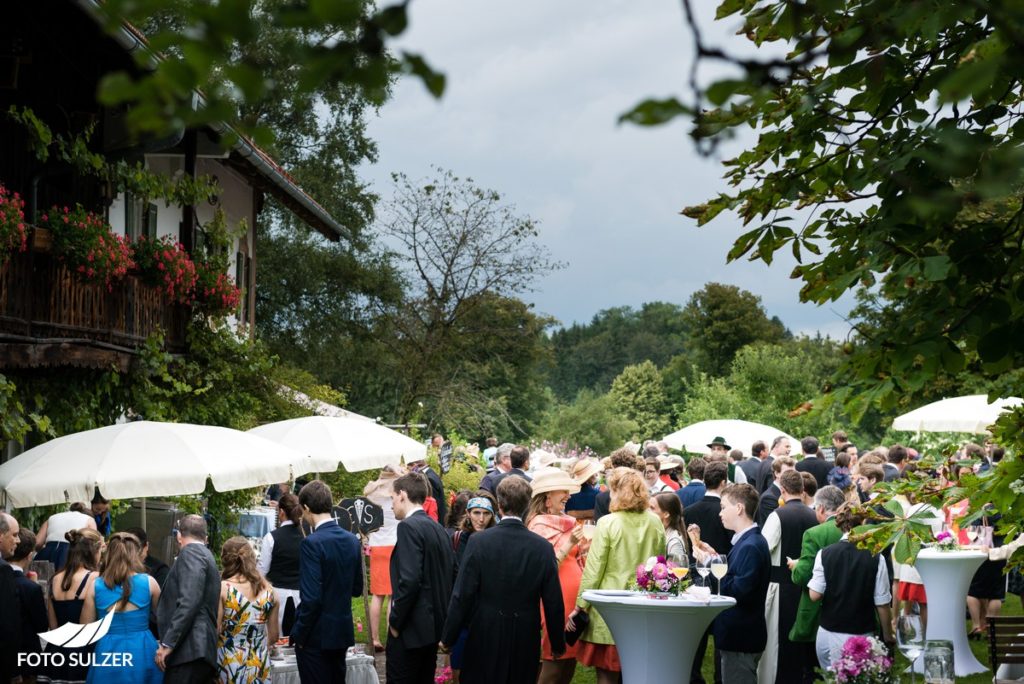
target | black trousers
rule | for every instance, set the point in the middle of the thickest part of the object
(320, 667)
(192, 672)
(410, 665)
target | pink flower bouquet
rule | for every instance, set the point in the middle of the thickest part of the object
(658, 575)
(864, 660)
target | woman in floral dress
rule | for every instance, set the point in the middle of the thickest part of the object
(247, 617)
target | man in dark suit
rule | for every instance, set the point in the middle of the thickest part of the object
(812, 463)
(620, 458)
(519, 459)
(502, 465)
(436, 487)
(751, 465)
(187, 612)
(769, 500)
(330, 575)
(507, 574)
(740, 632)
(695, 488)
(896, 460)
(10, 624)
(765, 477)
(30, 599)
(422, 566)
(705, 514)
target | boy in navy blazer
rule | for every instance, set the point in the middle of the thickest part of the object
(330, 575)
(740, 632)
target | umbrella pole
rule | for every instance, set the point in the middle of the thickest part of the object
(144, 515)
(363, 540)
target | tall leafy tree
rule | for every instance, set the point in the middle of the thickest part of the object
(640, 396)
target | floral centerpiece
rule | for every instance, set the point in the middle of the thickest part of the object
(661, 576)
(216, 293)
(945, 541)
(863, 660)
(13, 233)
(83, 241)
(165, 264)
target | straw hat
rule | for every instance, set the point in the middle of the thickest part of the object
(666, 463)
(553, 480)
(544, 459)
(584, 469)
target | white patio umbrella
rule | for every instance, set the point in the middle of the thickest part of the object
(740, 434)
(972, 413)
(354, 443)
(146, 459)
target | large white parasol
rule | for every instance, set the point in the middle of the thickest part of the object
(972, 413)
(739, 434)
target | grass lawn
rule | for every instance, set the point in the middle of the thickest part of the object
(585, 675)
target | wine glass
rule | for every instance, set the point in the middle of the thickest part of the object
(588, 529)
(719, 566)
(910, 639)
(704, 569)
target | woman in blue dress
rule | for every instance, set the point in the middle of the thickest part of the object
(125, 654)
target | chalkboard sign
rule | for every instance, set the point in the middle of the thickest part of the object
(342, 517)
(364, 516)
(444, 457)
(829, 453)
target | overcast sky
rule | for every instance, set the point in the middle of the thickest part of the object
(534, 91)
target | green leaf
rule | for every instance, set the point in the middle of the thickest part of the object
(656, 112)
(344, 12)
(417, 66)
(720, 91)
(996, 344)
(936, 267)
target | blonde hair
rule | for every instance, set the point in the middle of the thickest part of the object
(121, 563)
(237, 559)
(628, 491)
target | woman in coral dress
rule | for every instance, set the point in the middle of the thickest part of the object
(551, 490)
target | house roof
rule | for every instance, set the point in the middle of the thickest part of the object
(258, 166)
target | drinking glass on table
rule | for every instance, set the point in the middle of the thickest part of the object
(704, 569)
(719, 566)
(910, 639)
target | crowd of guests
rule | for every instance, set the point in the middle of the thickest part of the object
(495, 577)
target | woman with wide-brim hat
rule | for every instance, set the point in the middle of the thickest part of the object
(585, 473)
(551, 490)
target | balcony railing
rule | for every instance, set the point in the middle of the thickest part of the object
(42, 302)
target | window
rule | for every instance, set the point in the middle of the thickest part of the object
(139, 218)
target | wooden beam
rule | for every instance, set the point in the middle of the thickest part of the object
(18, 355)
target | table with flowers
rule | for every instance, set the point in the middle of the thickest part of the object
(656, 636)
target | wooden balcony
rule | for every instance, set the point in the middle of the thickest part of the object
(48, 317)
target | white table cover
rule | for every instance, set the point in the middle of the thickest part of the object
(358, 670)
(947, 577)
(656, 637)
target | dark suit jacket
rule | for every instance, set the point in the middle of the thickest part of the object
(507, 575)
(187, 612)
(818, 467)
(742, 628)
(10, 624)
(705, 515)
(488, 481)
(330, 575)
(601, 504)
(422, 567)
(765, 476)
(691, 494)
(33, 616)
(768, 503)
(437, 489)
(750, 466)
(891, 471)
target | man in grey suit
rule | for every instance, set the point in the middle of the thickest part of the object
(187, 612)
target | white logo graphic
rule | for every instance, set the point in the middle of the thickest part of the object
(71, 635)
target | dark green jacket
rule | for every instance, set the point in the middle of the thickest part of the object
(815, 539)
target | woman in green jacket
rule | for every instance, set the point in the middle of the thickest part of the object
(624, 539)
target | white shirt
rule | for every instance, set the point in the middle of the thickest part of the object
(738, 476)
(267, 550)
(59, 524)
(883, 592)
(736, 537)
(323, 522)
(510, 517)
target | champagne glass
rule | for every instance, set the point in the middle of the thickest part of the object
(910, 639)
(588, 529)
(704, 569)
(719, 566)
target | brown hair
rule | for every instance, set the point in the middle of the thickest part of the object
(792, 482)
(466, 524)
(237, 558)
(458, 508)
(623, 458)
(872, 471)
(670, 503)
(290, 506)
(85, 544)
(514, 496)
(415, 486)
(121, 563)
(810, 484)
(742, 494)
(842, 459)
(781, 462)
(628, 491)
(26, 544)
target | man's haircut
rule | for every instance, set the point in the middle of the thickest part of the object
(829, 498)
(415, 486)
(715, 474)
(974, 451)
(840, 436)
(810, 484)
(650, 451)
(514, 495)
(139, 534)
(778, 440)
(782, 462)
(491, 442)
(997, 454)
(897, 454)
(519, 456)
(742, 494)
(757, 448)
(809, 445)
(316, 496)
(193, 526)
(5, 522)
(736, 455)
(503, 451)
(26, 544)
(872, 471)
(792, 482)
(623, 458)
(695, 468)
